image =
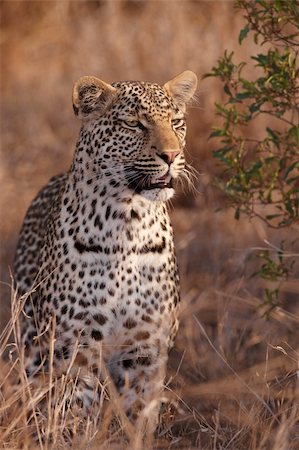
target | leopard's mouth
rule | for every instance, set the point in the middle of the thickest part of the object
(164, 182)
(143, 184)
(158, 186)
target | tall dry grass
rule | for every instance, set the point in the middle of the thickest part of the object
(233, 375)
(217, 394)
(45, 415)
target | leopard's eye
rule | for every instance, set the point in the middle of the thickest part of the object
(133, 124)
(177, 123)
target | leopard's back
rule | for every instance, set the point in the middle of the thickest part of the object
(34, 229)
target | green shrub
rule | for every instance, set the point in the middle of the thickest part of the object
(261, 172)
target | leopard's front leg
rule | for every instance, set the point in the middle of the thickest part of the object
(138, 374)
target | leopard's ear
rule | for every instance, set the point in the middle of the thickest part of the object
(182, 87)
(91, 97)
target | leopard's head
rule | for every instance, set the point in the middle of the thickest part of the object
(134, 132)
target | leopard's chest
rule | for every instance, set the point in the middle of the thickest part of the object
(113, 278)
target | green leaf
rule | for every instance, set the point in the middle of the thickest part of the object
(227, 90)
(254, 107)
(274, 136)
(257, 165)
(294, 165)
(217, 132)
(263, 167)
(294, 132)
(243, 33)
(243, 95)
(219, 154)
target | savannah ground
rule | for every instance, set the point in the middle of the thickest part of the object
(233, 375)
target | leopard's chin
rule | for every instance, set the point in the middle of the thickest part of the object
(158, 194)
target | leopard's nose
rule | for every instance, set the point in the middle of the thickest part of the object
(169, 156)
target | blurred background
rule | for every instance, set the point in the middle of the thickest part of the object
(45, 48)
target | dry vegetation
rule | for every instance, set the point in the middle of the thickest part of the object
(233, 376)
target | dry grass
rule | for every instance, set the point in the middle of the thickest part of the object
(218, 395)
(232, 384)
(233, 375)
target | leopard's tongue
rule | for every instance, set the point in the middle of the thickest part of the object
(163, 182)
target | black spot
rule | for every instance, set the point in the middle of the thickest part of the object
(127, 363)
(146, 318)
(108, 211)
(65, 352)
(64, 309)
(158, 248)
(130, 323)
(81, 315)
(135, 215)
(57, 354)
(96, 335)
(37, 362)
(80, 247)
(98, 223)
(84, 248)
(144, 360)
(100, 318)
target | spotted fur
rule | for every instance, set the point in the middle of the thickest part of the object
(96, 246)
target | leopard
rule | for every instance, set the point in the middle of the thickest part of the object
(96, 248)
